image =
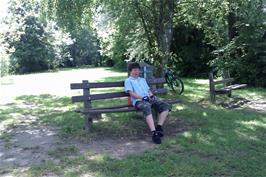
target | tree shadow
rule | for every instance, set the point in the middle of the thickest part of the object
(233, 140)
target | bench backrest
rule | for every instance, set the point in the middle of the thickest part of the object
(87, 97)
(227, 80)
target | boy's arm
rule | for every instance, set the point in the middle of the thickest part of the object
(133, 94)
(150, 93)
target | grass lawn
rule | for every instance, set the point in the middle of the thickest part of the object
(219, 142)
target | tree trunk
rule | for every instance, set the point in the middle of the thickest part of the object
(231, 19)
(164, 33)
(159, 39)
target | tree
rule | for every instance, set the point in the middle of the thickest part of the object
(156, 25)
(85, 49)
(27, 39)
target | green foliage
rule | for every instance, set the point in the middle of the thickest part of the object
(27, 42)
(85, 50)
(245, 54)
(36, 43)
(189, 35)
(4, 63)
(70, 15)
(60, 43)
(190, 53)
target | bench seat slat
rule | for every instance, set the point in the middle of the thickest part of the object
(122, 108)
(229, 88)
(125, 109)
(235, 86)
(101, 96)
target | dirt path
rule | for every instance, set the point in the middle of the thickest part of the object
(258, 104)
(27, 142)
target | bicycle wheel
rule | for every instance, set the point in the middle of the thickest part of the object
(177, 86)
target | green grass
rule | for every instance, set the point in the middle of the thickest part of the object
(219, 142)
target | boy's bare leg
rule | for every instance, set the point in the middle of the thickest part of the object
(150, 122)
(162, 117)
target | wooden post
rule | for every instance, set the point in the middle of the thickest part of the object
(212, 87)
(226, 75)
(87, 104)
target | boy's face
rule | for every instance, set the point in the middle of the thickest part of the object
(134, 72)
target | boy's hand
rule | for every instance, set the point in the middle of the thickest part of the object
(146, 98)
(152, 98)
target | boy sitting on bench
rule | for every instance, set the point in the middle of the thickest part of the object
(143, 99)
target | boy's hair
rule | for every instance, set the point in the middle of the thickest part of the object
(133, 66)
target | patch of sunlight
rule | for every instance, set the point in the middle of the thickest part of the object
(89, 175)
(72, 170)
(6, 123)
(252, 93)
(204, 114)
(194, 96)
(201, 81)
(40, 83)
(179, 107)
(246, 136)
(187, 134)
(91, 155)
(105, 118)
(253, 124)
(204, 139)
(6, 81)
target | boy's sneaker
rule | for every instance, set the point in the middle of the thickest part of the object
(159, 130)
(156, 138)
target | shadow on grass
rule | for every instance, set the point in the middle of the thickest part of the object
(59, 111)
(233, 141)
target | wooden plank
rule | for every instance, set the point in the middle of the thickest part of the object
(78, 86)
(235, 86)
(110, 95)
(223, 81)
(160, 91)
(121, 108)
(93, 111)
(97, 85)
(211, 87)
(87, 105)
(106, 84)
(229, 88)
(160, 80)
(222, 91)
(226, 75)
(114, 107)
(99, 96)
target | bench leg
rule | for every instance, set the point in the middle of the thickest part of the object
(230, 94)
(97, 116)
(88, 121)
(212, 97)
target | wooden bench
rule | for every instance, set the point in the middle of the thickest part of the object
(87, 98)
(227, 87)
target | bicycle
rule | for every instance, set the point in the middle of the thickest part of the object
(174, 82)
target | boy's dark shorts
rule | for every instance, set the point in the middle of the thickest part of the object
(158, 105)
